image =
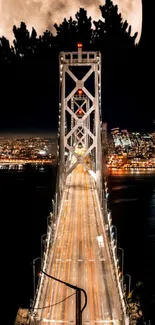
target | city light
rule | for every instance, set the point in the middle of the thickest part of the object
(16, 152)
(127, 150)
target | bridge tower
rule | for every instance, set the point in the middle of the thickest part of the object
(80, 114)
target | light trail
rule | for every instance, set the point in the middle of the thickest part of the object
(79, 260)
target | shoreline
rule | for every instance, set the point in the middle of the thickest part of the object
(130, 171)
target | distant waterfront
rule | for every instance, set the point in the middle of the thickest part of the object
(26, 202)
(131, 171)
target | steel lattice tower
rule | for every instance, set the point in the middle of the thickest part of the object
(80, 114)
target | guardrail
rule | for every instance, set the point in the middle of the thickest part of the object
(48, 252)
(107, 220)
(51, 233)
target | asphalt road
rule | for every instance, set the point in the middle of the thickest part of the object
(80, 257)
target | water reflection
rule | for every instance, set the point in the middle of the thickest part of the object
(132, 201)
(131, 171)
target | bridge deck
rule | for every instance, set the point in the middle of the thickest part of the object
(79, 257)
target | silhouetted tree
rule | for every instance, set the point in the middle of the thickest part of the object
(84, 29)
(112, 37)
(6, 52)
(33, 59)
(70, 32)
(22, 45)
(66, 36)
(112, 31)
(46, 45)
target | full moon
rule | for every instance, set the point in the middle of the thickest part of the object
(42, 14)
(131, 10)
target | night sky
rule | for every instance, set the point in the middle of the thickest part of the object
(132, 109)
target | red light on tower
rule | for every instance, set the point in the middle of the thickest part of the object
(80, 92)
(79, 45)
(80, 111)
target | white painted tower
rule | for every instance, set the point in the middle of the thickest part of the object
(80, 114)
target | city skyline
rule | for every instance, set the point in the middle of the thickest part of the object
(122, 149)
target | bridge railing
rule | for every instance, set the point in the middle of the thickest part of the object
(51, 233)
(106, 216)
(47, 255)
(44, 263)
(50, 238)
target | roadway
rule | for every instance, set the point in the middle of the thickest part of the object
(80, 258)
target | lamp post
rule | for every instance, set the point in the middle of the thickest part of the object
(122, 262)
(78, 290)
(109, 217)
(129, 285)
(49, 223)
(42, 237)
(56, 204)
(115, 233)
(34, 275)
(53, 206)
